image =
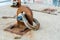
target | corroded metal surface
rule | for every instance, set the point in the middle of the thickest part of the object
(16, 30)
(20, 26)
(29, 14)
(18, 3)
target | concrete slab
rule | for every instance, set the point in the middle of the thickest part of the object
(49, 26)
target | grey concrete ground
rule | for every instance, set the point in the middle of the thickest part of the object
(49, 26)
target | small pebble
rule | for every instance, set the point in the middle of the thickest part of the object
(17, 38)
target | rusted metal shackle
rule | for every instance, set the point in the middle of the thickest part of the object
(29, 16)
(16, 3)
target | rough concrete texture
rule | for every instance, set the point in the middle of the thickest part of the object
(49, 26)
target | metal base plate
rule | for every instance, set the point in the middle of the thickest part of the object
(16, 30)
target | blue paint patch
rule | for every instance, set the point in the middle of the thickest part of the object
(55, 2)
(19, 18)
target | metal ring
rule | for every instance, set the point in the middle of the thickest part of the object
(35, 25)
(28, 25)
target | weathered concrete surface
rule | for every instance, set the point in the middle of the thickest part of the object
(49, 29)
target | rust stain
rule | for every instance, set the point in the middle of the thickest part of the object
(5, 17)
(30, 35)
